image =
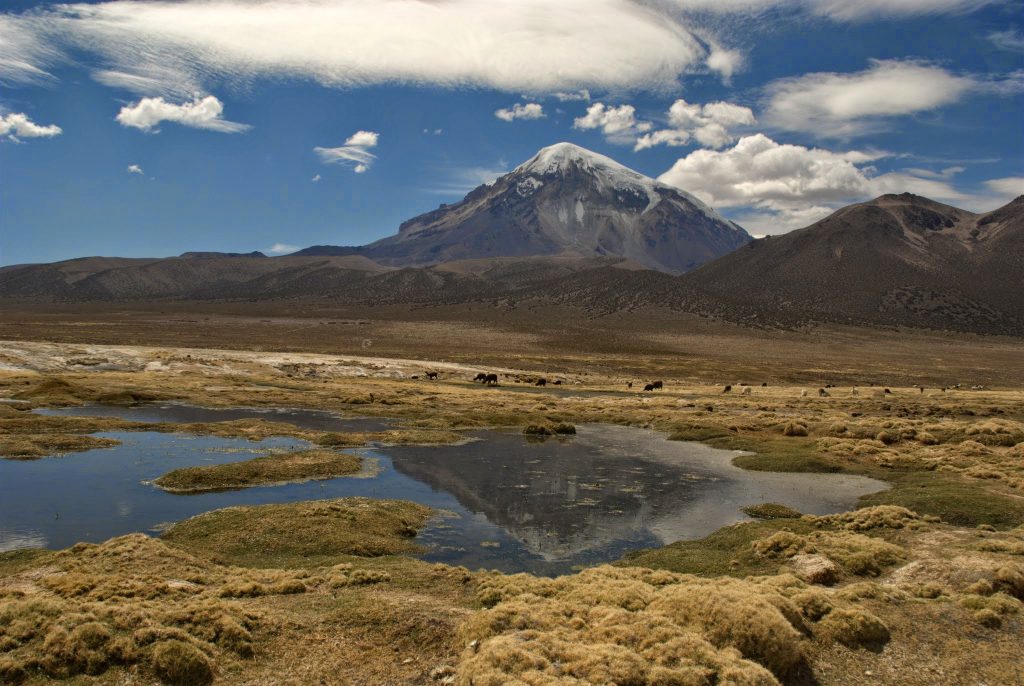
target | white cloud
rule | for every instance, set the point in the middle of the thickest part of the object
(201, 113)
(832, 104)
(458, 182)
(838, 10)
(135, 169)
(709, 124)
(1010, 39)
(281, 249)
(529, 110)
(618, 124)
(582, 95)
(783, 187)
(17, 125)
(532, 46)
(356, 150)
(24, 55)
(1009, 187)
(316, 179)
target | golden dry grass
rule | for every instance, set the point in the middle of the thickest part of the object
(304, 465)
(318, 532)
(910, 585)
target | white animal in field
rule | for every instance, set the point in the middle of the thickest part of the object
(746, 390)
(803, 393)
(854, 391)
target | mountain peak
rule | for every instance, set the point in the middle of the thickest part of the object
(560, 157)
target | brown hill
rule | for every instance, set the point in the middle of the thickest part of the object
(899, 259)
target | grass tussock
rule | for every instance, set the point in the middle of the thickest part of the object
(771, 511)
(35, 446)
(640, 626)
(127, 602)
(320, 532)
(305, 465)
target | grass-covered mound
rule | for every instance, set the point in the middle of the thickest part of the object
(302, 465)
(639, 626)
(319, 532)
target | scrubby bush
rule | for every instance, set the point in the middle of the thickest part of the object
(182, 664)
(854, 628)
(794, 429)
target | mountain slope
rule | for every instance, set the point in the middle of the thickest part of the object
(899, 259)
(569, 201)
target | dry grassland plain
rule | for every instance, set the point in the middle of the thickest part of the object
(922, 585)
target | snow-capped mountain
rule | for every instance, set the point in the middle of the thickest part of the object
(567, 200)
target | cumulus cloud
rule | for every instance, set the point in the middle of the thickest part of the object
(280, 249)
(709, 124)
(316, 179)
(840, 105)
(618, 124)
(532, 46)
(529, 110)
(201, 113)
(17, 125)
(783, 187)
(355, 151)
(135, 169)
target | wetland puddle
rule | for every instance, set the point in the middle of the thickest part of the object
(510, 503)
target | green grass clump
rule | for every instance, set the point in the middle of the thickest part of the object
(304, 534)
(771, 511)
(304, 465)
(953, 499)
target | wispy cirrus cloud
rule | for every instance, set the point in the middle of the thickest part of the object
(201, 113)
(838, 10)
(355, 151)
(1010, 39)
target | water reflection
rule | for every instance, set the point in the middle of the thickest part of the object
(510, 504)
(611, 488)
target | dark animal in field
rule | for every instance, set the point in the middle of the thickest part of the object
(822, 393)
(629, 384)
(558, 382)
(541, 382)
(414, 376)
(764, 384)
(432, 376)
(658, 385)
(922, 389)
(649, 387)
(491, 380)
(727, 389)
(887, 392)
(480, 377)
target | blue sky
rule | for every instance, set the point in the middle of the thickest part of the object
(140, 128)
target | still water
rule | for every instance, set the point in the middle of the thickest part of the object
(507, 502)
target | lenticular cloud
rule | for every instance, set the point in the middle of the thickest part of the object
(515, 45)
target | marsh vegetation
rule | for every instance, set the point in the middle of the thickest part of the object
(932, 566)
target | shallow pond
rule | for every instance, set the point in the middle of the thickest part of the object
(510, 503)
